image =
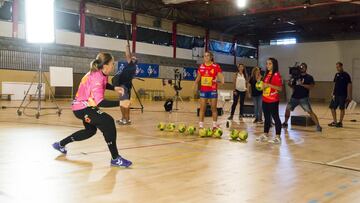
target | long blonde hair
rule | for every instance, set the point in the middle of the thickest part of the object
(102, 59)
(257, 68)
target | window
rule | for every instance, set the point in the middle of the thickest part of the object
(283, 41)
(5, 11)
(106, 28)
(67, 21)
(246, 51)
(153, 36)
(221, 47)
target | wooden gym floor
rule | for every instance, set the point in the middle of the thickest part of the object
(308, 166)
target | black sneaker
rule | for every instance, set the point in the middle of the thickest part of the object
(285, 125)
(230, 117)
(255, 121)
(333, 124)
(339, 125)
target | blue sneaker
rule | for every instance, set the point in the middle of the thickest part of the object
(60, 148)
(118, 162)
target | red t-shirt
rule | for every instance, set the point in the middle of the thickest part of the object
(208, 77)
(271, 95)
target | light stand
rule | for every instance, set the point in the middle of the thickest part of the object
(40, 29)
(137, 97)
(40, 75)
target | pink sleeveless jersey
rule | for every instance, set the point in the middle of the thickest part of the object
(91, 90)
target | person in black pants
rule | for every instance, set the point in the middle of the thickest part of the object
(342, 94)
(89, 97)
(272, 85)
(240, 88)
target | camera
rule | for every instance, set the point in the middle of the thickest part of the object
(295, 73)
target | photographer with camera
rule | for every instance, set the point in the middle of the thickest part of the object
(301, 83)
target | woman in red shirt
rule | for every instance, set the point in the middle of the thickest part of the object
(271, 88)
(207, 76)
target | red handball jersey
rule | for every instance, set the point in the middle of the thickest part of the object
(208, 77)
(271, 95)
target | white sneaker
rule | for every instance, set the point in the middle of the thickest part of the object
(275, 140)
(121, 122)
(262, 138)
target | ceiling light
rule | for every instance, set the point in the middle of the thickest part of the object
(241, 3)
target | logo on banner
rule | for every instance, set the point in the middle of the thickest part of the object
(151, 71)
(138, 70)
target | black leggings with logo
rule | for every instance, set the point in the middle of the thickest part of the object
(93, 119)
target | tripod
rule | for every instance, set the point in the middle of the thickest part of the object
(40, 75)
(138, 98)
(177, 97)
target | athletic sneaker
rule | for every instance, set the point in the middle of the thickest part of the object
(230, 118)
(262, 138)
(120, 122)
(260, 122)
(60, 148)
(120, 162)
(318, 128)
(285, 125)
(339, 125)
(275, 140)
(332, 124)
(123, 122)
(255, 121)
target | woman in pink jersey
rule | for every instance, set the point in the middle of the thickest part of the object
(89, 97)
(207, 76)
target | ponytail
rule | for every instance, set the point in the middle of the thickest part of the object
(101, 60)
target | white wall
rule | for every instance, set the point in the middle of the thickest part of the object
(99, 42)
(152, 49)
(184, 53)
(68, 38)
(5, 29)
(320, 57)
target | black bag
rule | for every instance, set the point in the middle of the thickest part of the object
(168, 105)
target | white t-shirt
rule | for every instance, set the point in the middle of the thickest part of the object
(240, 83)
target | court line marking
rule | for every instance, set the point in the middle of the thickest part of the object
(344, 158)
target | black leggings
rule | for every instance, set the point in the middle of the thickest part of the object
(235, 101)
(92, 119)
(271, 110)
